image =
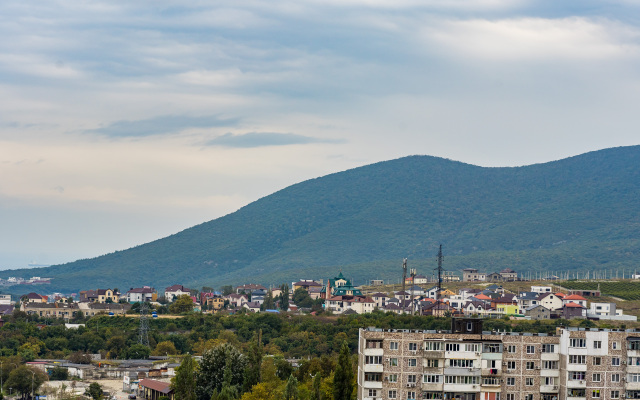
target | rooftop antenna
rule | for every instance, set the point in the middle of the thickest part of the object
(143, 336)
(439, 269)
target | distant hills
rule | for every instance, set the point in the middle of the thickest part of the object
(578, 213)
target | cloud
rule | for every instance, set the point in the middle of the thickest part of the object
(164, 125)
(263, 139)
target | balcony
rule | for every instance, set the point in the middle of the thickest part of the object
(550, 372)
(431, 387)
(549, 388)
(550, 357)
(456, 387)
(373, 368)
(491, 372)
(632, 385)
(373, 352)
(372, 385)
(576, 384)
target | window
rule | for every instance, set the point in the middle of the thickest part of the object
(452, 347)
(633, 378)
(433, 346)
(597, 344)
(373, 392)
(531, 349)
(393, 362)
(511, 381)
(549, 365)
(595, 394)
(492, 348)
(413, 362)
(393, 378)
(528, 381)
(550, 381)
(511, 349)
(633, 344)
(597, 360)
(596, 378)
(411, 379)
(548, 348)
(373, 376)
(460, 363)
(374, 344)
(432, 363)
(373, 360)
(413, 346)
(615, 345)
(393, 346)
(615, 361)
(615, 377)
(511, 365)
(531, 365)
(615, 394)
(393, 394)
(411, 395)
(577, 359)
(462, 380)
(577, 375)
(431, 378)
(473, 347)
(580, 343)
(511, 396)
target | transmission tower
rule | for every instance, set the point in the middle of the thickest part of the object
(143, 337)
(439, 269)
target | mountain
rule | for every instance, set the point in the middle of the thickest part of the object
(577, 213)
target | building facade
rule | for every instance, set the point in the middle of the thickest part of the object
(468, 364)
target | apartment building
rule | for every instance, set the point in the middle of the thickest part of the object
(469, 364)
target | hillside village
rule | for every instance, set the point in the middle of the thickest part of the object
(485, 297)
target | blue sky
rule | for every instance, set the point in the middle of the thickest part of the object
(123, 122)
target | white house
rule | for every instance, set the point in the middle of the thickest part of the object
(550, 301)
(541, 289)
(575, 298)
(173, 292)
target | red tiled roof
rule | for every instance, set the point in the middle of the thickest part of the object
(574, 297)
(572, 304)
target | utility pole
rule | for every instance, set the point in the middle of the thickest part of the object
(439, 269)
(412, 271)
(404, 279)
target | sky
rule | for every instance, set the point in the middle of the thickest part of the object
(124, 122)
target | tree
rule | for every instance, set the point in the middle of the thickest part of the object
(226, 290)
(343, 377)
(317, 381)
(138, 352)
(184, 382)
(24, 379)
(59, 374)
(254, 363)
(80, 357)
(291, 389)
(210, 374)
(165, 348)
(284, 297)
(94, 391)
(269, 303)
(301, 298)
(228, 391)
(183, 304)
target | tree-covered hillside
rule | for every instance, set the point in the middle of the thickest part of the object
(578, 213)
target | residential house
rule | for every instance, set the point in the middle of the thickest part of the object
(438, 309)
(380, 299)
(5, 299)
(474, 308)
(99, 296)
(420, 280)
(550, 301)
(50, 310)
(173, 292)
(509, 275)
(402, 295)
(526, 300)
(6, 309)
(542, 289)
(538, 312)
(341, 303)
(236, 299)
(305, 284)
(432, 292)
(472, 275)
(214, 303)
(35, 298)
(141, 295)
(252, 306)
(494, 277)
(416, 291)
(573, 310)
(575, 298)
(153, 390)
(608, 311)
(250, 287)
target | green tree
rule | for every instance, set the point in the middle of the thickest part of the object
(59, 374)
(116, 345)
(269, 303)
(254, 362)
(183, 304)
(94, 391)
(210, 374)
(343, 377)
(138, 352)
(291, 389)
(228, 391)
(301, 298)
(226, 290)
(184, 382)
(317, 382)
(284, 297)
(24, 379)
(165, 348)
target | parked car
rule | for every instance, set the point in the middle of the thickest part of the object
(132, 396)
